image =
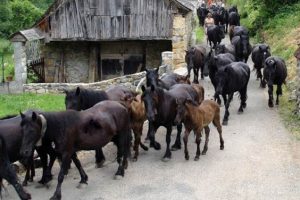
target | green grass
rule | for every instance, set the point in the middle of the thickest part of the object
(12, 104)
(199, 35)
(290, 119)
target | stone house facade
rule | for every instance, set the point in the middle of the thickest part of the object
(93, 40)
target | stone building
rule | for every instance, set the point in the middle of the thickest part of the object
(92, 40)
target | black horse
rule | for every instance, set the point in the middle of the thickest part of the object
(242, 47)
(233, 78)
(107, 121)
(202, 13)
(260, 53)
(275, 73)
(11, 132)
(160, 107)
(214, 62)
(8, 173)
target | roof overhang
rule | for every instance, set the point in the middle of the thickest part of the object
(27, 35)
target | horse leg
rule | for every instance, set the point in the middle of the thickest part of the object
(123, 146)
(195, 74)
(207, 130)
(243, 94)
(224, 98)
(202, 75)
(217, 123)
(32, 171)
(9, 174)
(198, 141)
(137, 141)
(185, 140)
(140, 130)
(27, 167)
(226, 115)
(151, 132)
(44, 159)
(278, 93)
(66, 157)
(168, 153)
(270, 91)
(83, 175)
(177, 144)
(100, 158)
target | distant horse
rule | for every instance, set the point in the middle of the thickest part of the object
(260, 53)
(68, 130)
(195, 59)
(242, 47)
(275, 73)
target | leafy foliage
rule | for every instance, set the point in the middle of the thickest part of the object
(20, 14)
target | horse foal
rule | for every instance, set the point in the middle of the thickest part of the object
(196, 117)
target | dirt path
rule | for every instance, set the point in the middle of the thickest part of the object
(261, 160)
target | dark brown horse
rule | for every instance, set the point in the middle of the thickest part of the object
(161, 111)
(81, 99)
(72, 131)
(195, 59)
(8, 173)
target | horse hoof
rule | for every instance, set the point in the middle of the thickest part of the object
(271, 105)
(221, 147)
(203, 152)
(156, 146)
(240, 111)
(196, 158)
(56, 197)
(187, 157)
(118, 177)
(166, 159)
(225, 123)
(82, 185)
(134, 159)
(175, 147)
(100, 164)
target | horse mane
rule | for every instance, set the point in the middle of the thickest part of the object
(8, 117)
(91, 97)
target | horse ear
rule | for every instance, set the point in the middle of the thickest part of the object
(259, 48)
(157, 69)
(152, 88)
(34, 116)
(77, 91)
(22, 115)
(143, 88)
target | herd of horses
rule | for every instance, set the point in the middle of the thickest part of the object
(94, 118)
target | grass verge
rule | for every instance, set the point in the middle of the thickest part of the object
(13, 104)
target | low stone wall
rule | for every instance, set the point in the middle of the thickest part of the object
(12, 87)
(130, 81)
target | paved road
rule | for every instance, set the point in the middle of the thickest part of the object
(261, 160)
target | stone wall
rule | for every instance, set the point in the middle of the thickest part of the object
(153, 52)
(130, 81)
(20, 62)
(74, 56)
(182, 38)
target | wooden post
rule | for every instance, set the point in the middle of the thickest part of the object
(92, 62)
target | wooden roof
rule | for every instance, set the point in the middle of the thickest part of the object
(108, 20)
(27, 35)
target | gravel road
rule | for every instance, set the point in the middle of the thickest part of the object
(261, 160)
